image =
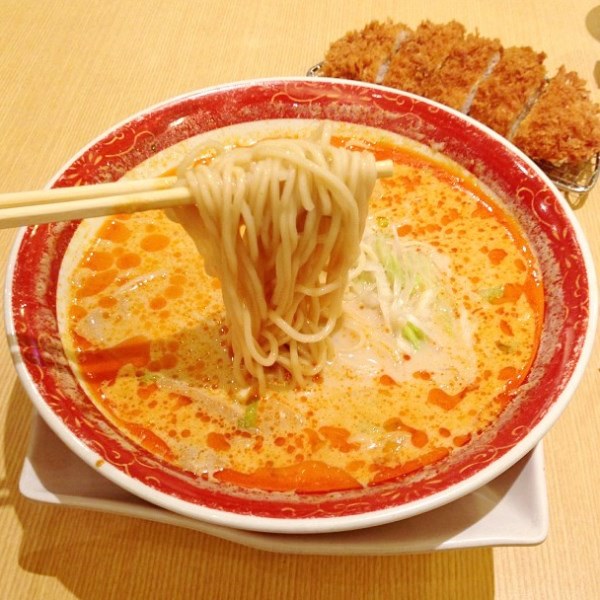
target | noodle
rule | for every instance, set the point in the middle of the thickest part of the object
(280, 224)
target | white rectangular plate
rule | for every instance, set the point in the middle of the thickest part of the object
(511, 510)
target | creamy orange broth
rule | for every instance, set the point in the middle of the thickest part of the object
(145, 330)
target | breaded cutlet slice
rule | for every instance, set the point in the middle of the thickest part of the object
(412, 66)
(510, 89)
(469, 63)
(360, 55)
(564, 124)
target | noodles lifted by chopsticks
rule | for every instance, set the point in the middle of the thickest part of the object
(280, 223)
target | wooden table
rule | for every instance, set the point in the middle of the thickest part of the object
(71, 69)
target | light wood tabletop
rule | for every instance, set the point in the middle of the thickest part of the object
(71, 69)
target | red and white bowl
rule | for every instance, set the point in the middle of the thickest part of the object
(567, 337)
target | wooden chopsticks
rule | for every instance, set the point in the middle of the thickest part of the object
(82, 202)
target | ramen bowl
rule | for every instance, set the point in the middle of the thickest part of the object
(570, 296)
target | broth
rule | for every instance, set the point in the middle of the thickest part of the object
(144, 328)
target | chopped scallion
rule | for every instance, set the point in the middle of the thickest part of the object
(250, 417)
(414, 335)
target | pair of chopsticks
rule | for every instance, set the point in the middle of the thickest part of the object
(102, 199)
(82, 202)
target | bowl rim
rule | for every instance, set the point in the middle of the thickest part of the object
(310, 524)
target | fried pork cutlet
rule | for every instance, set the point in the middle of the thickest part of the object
(412, 66)
(564, 124)
(510, 89)
(469, 63)
(360, 55)
(554, 122)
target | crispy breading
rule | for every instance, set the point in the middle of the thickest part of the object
(360, 54)
(466, 65)
(422, 55)
(553, 123)
(564, 124)
(505, 94)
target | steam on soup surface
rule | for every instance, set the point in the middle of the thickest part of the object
(441, 323)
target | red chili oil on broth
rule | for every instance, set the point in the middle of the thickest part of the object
(148, 339)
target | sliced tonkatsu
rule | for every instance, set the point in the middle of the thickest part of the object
(554, 121)
(362, 55)
(468, 65)
(415, 62)
(510, 90)
(563, 126)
